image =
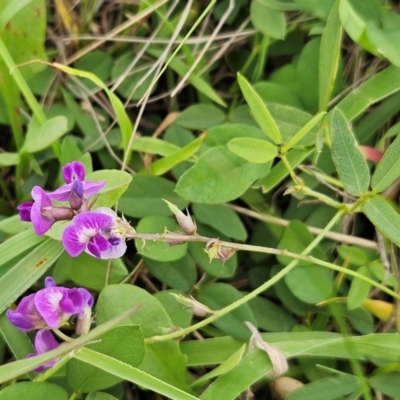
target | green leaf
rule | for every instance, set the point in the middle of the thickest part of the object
(33, 391)
(253, 150)
(307, 128)
(18, 244)
(271, 317)
(316, 281)
(219, 295)
(320, 9)
(153, 320)
(359, 289)
(29, 23)
(9, 159)
(388, 384)
(89, 271)
(376, 88)
(165, 164)
(267, 20)
(210, 179)
(385, 218)
(221, 218)
(132, 374)
(122, 117)
(200, 116)
(388, 169)
(291, 121)
(226, 366)
(350, 163)
(40, 137)
(354, 17)
(222, 134)
(24, 274)
(124, 343)
(259, 110)
(100, 396)
(384, 42)
(179, 313)
(116, 184)
(144, 196)
(18, 342)
(329, 388)
(329, 57)
(180, 274)
(157, 250)
(250, 369)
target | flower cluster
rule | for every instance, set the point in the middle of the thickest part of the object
(51, 308)
(100, 233)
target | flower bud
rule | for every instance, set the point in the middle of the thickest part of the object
(57, 213)
(24, 210)
(215, 250)
(184, 221)
(76, 198)
(197, 308)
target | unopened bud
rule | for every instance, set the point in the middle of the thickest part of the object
(57, 213)
(184, 221)
(83, 323)
(76, 195)
(215, 250)
(197, 308)
(24, 210)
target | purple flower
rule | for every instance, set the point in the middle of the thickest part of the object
(98, 232)
(58, 304)
(43, 214)
(26, 317)
(76, 190)
(51, 307)
(44, 342)
(24, 210)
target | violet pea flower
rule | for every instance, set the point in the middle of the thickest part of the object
(43, 214)
(76, 190)
(98, 233)
(26, 317)
(58, 304)
(44, 342)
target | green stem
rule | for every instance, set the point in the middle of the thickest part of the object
(322, 198)
(178, 238)
(251, 295)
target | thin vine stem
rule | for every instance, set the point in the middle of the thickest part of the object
(260, 289)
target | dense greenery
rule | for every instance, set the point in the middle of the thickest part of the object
(251, 147)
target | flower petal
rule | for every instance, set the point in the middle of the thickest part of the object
(47, 302)
(40, 224)
(72, 171)
(45, 341)
(26, 317)
(96, 245)
(71, 240)
(115, 251)
(24, 210)
(90, 188)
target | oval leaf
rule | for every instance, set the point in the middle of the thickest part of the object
(40, 137)
(350, 163)
(259, 110)
(385, 218)
(253, 150)
(210, 179)
(388, 169)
